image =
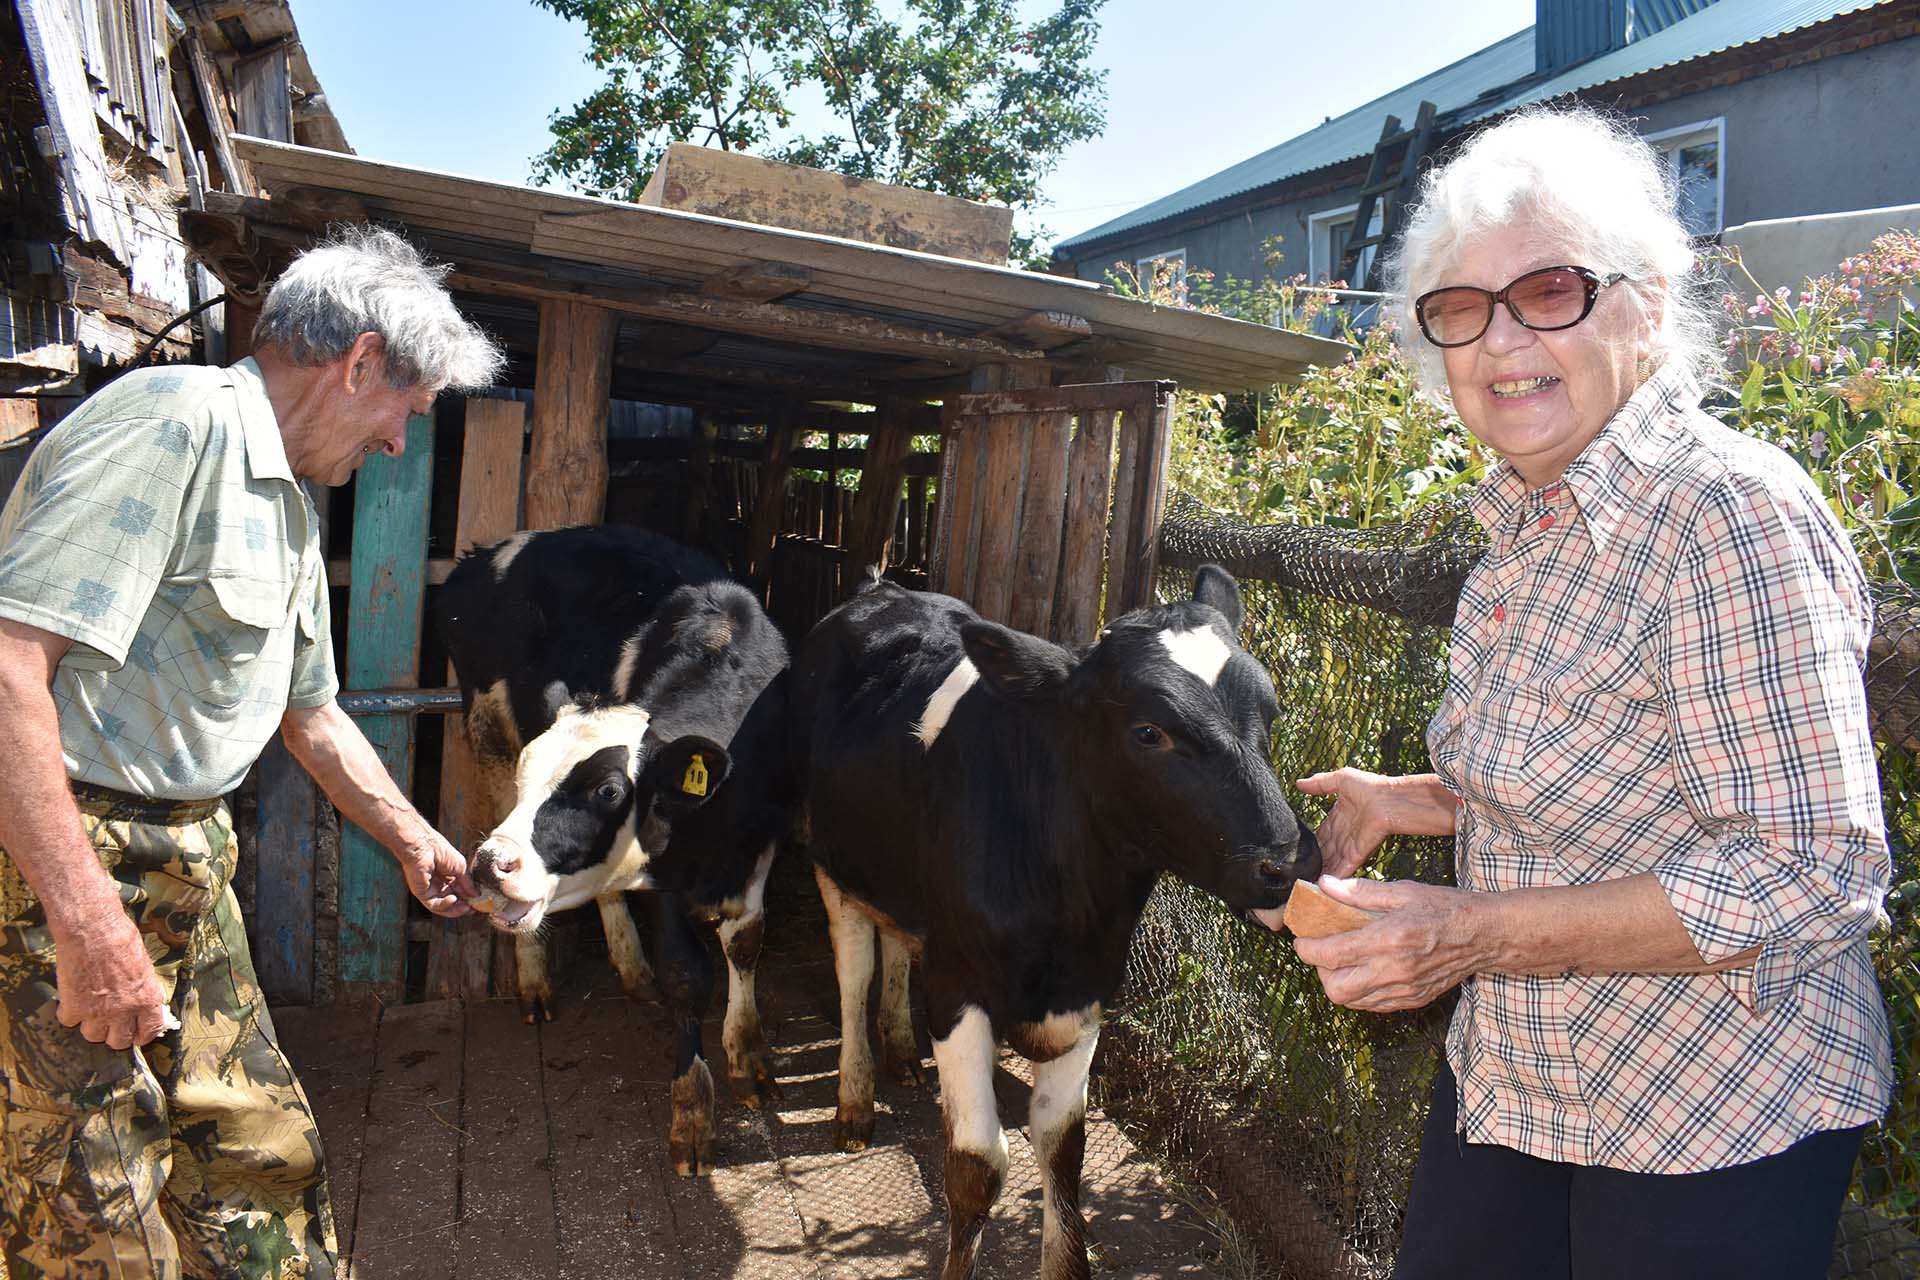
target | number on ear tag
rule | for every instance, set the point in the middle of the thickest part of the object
(695, 783)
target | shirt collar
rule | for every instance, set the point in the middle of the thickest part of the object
(1600, 476)
(266, 451)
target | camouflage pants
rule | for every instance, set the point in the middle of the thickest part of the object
(195, 1156)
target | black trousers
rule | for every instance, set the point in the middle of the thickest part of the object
(1480, 1212)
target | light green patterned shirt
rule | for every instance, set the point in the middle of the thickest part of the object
(159, 527)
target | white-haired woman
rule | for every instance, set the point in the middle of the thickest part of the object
(1653, 753)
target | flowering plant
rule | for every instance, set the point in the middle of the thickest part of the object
(1831, 374)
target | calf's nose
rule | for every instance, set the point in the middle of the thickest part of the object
(493, 861)
(1301, 861)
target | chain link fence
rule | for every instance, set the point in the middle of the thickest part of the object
(1304, 1118)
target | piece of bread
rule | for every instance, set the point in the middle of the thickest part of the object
(1312, 914)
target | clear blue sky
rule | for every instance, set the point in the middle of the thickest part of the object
(467, 86)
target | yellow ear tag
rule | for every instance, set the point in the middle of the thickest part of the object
(695, 783)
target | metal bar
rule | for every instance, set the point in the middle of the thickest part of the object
(380, 702)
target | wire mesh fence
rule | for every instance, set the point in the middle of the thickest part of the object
(1225, 1055)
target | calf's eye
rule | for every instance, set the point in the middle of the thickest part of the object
(1149, 735)
(607, 793)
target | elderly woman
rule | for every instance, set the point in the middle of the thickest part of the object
(1653, 754)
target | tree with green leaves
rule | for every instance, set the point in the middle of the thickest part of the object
(956, 96)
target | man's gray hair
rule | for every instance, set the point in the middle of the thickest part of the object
(365, 279)
(1590, 186)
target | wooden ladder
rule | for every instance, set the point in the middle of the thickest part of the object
(1395, 185)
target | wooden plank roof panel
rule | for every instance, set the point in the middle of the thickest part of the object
(902, 285)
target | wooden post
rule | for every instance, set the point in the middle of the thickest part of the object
(286, 837)
(383, 652)
(877, 506)
(1139, 501)
(460, 953)
(240, 321)
(573, 377)
(1036, 563)
(700, 475)
(1002, 488)
(1076, 614)
(769, 505)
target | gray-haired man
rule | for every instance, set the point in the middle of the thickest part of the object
(163, 610)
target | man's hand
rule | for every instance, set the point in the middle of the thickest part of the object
(437, 875)
(107, 986)
(1426, 944)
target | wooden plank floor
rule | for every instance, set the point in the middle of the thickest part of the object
(461, 1142)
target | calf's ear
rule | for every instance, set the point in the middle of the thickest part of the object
(683, 773)
(1015, 665)
(556, 697)
(1215, 586)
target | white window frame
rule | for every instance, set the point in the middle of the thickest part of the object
(1143, 270)
(1669, 143)
(1320, 243)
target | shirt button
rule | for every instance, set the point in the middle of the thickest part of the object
(1499, 613)
(1546, 521)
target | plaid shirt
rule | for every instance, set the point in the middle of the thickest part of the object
(1656, 667)
(159, 527)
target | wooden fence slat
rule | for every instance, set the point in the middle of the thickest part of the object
(1155, 450)
(383, 652)
(460, 952)
(954, 547)
(285, 841)
(876, 508)
(573, 374)
(1126, 486)
(769, 504)
(1000, 499)
(1084, 557)
(1036, 569)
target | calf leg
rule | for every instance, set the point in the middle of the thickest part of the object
(686, 981)
(749, 1058)
(976, 1163)
(853, 966)
(530, 976)
(623, 948)
(898, 1050)
(1058, 1120)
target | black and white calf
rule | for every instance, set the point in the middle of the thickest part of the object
(1003, 807)
(626, 703)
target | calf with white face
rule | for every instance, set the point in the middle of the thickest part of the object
(649, 694)
(1004, 806)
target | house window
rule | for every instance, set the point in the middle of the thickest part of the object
(1327, 236)
(1163, 275)
(1692, 154)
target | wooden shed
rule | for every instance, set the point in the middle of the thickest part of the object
(721, 381)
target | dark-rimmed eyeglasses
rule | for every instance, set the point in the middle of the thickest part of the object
(1548, 299)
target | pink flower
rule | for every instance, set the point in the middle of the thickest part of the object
(1813, 363)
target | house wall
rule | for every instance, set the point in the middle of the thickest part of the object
(1813, 138)
(1816, 138)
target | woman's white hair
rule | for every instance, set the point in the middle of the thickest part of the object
(1589, 185)
(365, 279)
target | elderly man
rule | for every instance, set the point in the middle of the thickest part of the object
(163, 609)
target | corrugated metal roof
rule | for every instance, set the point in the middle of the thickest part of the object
(583, 239)
(1726, 25)
(1455, 88)
(1341, 138)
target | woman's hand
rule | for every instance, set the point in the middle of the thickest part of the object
(1360, 820)
(1427, 942)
